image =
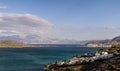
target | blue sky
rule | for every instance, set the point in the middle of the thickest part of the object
(69, 12)
(73, 19)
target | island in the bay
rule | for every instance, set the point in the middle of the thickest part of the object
(9, 43)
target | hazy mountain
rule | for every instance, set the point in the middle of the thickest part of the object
(34, 39)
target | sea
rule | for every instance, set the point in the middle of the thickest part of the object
(34, 58)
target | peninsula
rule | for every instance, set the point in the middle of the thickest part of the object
(103, 43)
(8, 43)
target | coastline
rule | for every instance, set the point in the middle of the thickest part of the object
(30, 46)
(102, 65)
(75, 63)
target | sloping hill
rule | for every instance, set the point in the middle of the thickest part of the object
(117, 39)
(101, 41)
(112, 64)
(107, 42)
(12, 43)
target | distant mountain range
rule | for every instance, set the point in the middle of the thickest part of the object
(17, 41)
(34, 39)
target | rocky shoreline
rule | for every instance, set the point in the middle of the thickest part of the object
(89, 61)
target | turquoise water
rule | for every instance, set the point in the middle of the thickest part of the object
(33, 59)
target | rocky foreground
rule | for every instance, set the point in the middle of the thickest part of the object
(112, 64)
(100, 64)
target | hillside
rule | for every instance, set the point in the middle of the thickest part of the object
(12, 43)
(103, 43)
(100, 64)
(112, 64)
(117, 39)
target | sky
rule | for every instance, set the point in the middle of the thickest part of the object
(56, 20)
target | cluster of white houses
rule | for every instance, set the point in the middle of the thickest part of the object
(79, 60)
(98, 45)
(86, 58)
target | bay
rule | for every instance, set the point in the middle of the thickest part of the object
(33, 59)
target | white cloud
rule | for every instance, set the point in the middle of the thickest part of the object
(23, 24)
(31, 28)
(28, 28)
(112, 27)
(86, 33)
(3, 7)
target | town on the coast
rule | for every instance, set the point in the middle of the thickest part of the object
(101, 54)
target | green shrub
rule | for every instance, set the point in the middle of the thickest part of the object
(76, 55)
